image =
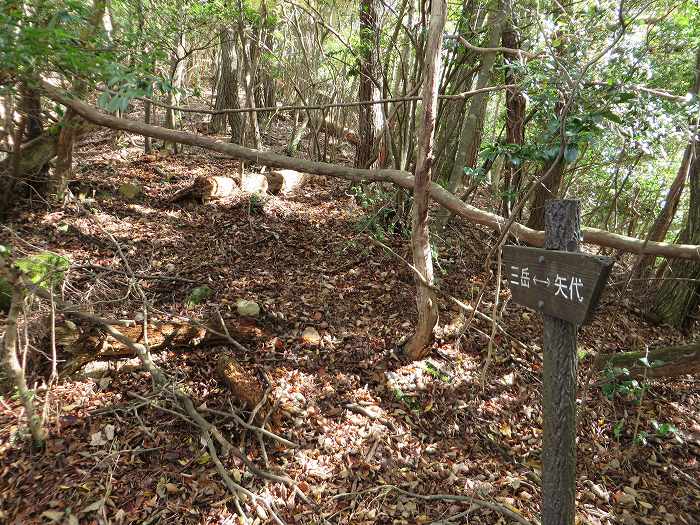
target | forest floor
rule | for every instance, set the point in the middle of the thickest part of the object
(364, 421)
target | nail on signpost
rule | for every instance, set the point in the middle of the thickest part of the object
(564, 285)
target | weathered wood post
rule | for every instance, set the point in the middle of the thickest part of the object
(562, 232)
(564, 286)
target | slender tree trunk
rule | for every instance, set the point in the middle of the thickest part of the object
(249, 66)
(227, 87)
(663, 221)
(14, 369)
(177, 82)
(11, 181)
(473, 124)
(370, 120)
(515, 113)
(419, 344)
(549, 189)
(145, 57)
(31, 101)
(70, 125)
(459, 75)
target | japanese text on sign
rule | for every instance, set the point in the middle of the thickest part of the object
(570, 288)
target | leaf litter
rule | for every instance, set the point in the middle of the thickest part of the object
(332, 308)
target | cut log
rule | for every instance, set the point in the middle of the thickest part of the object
(285, 181)
(254, 183)
(86, 344)
(670, 361)
(205, 188)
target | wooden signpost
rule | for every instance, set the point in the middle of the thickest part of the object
(565, 287)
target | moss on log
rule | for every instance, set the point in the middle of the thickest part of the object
(670, 361)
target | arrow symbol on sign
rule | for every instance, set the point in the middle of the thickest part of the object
(539, 281)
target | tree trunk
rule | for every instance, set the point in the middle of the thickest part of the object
(70, 125)
(31, 102)
(227, 88)
(549, 189)
(678, 297)
(669, 361)
(419, 344)
(473, 124)
(145, 57)
(177, 81)
(14, 369)
(370, 119)
(515, 115)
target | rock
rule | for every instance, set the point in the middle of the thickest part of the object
(129, 190)
(285, 181)
(311, 336)
(247, 308)
(254, 183)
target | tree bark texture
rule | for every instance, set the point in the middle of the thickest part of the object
(548, 189)
(473, 123)
(419, 344)
(369, 117)
(70, 124)
(227, 88)
(14, 369)
(563, 233)
(398, 177)
(515, 116)
(177, 81)
(249, 54)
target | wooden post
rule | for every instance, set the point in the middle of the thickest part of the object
(563, 233)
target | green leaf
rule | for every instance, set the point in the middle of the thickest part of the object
(44, 269)
(645, 361)
(197, 296)
(611, 116)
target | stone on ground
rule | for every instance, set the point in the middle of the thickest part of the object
(247, 308)
(311, 336)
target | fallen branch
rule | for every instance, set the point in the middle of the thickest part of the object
(254, 428)
(398, 177)
(458, 96)
(447, 497)
(187, 410)
(670, 361)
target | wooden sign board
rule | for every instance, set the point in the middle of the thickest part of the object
(565, 285)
